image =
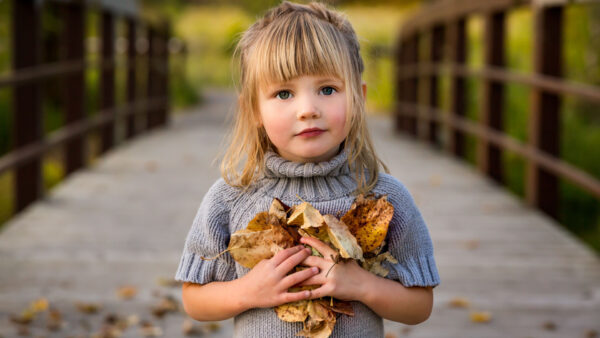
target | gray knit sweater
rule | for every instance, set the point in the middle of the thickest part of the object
(328, 186)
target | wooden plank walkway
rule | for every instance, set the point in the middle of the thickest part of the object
(124, 221)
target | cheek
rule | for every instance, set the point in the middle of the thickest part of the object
(276, 127)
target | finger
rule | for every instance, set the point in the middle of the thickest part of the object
(289, 297)
(315, 261)
(323, 291)
(292, 261)
(285, 254)
(321, 247)
(298, 277)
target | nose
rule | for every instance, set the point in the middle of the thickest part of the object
(308, 108)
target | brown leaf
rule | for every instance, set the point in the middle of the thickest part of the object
(89, 308)
(278, 210)
(375, 264)
(320, 321)
(250, 247)
(293, 312)
(149, 330)
(127, 292)
(341, 237)
(459, 302)
(54, 321)
(260, 222)
(166, 305)
(368, 220)
(340, 306)
(305, 216)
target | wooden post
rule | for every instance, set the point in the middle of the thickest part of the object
(544, 122)
(152, 78)
(435, 57)
(163, 114)
(458, 55)
(490, 156)
(131, 75)
(413, 84)
(27, 118)
(399, 80)
(73, 33)
(107, 80)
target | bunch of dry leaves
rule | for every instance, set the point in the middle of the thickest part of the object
(359, 234)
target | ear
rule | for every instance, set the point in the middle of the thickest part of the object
(364, 90)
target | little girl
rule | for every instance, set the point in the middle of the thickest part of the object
(300, 131)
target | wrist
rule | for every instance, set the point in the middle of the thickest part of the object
(366, 281)
(243, 301)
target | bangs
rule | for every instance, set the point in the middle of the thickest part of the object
(299, 45)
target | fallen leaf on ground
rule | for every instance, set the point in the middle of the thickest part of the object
(54, 320)
(166, 305)
(480, 316)
(150, 330)
(89, 308)
(459, 302)
(127, 292)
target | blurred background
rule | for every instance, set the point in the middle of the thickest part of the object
(102, 246)
(203, 35)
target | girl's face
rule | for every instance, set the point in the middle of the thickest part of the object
(305, 118)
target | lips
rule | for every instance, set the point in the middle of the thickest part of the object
(311, 132)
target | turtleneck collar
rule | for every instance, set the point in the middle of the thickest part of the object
(277, 166)
(313, 182)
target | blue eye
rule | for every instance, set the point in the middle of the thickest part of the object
(328, 90)
(284, 95)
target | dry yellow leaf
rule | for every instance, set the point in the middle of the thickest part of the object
(320, 321)
(39, 305)
(368, 220)
(127, 292)
(341, 237)
(460, 302)
(278, 210)
(259, 222)
(250, 247)
(481, 316)
(293, 312)
(305, 216)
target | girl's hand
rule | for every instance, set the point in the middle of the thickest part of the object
(345, 281)
(266, 285)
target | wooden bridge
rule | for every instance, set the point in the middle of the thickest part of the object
(102, 247)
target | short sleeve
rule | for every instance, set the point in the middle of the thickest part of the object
(408, 239)
(208, 236)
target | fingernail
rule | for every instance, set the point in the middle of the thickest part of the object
(315, 269)
(299, 247)
(307, 294)
(308, 250)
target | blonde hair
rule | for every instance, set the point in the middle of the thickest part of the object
(289, 41)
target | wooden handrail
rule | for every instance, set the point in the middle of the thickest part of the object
(60, 136)
(444, 22)
(548, 83)
(548, 162)
(29, 73)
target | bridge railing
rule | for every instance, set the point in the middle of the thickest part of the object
(28, 75)
(417, 106)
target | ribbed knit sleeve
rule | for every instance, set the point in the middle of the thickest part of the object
(209, 235)
(408, 239)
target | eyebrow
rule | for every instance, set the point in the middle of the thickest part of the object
(319, 82)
